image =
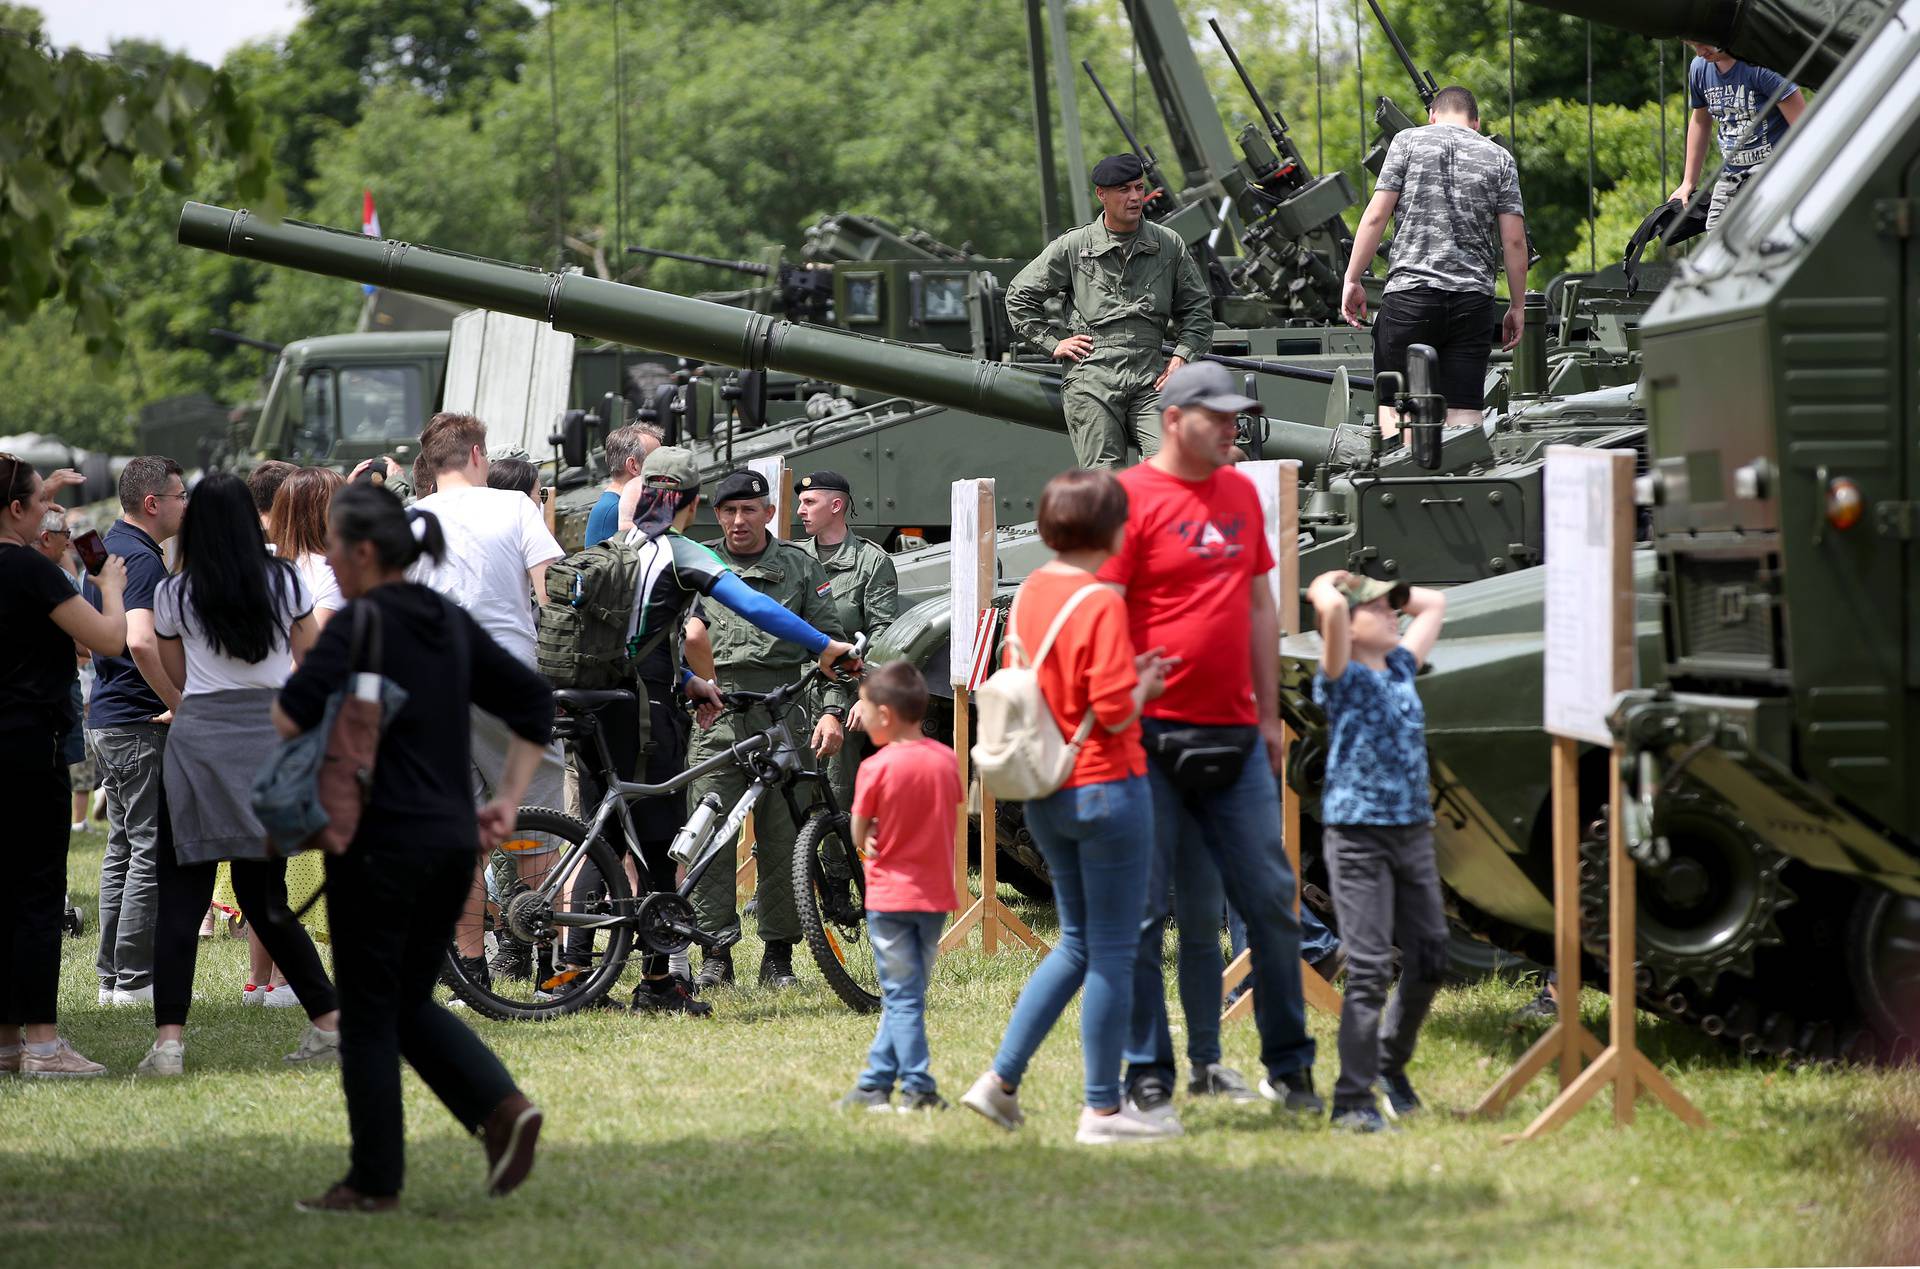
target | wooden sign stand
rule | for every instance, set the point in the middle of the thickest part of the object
(1590, 536)
(974, 574)
(1279, 487)
(780, 483)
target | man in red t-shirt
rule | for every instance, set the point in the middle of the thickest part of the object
(907, 803)
(1193, 572)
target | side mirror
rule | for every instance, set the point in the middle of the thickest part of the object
(1425, 412)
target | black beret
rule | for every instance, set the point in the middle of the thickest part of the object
(740, 484)
(826, 480)
(1118, 169)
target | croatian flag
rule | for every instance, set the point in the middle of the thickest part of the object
(369, 223)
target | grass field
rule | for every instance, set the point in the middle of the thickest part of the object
(673, 1141)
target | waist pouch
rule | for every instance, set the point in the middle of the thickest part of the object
(1202, 759)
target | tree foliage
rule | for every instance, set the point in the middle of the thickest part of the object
(75, 132)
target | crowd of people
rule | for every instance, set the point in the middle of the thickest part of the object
(219, 621)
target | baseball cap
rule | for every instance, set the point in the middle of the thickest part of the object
(1207, 385)
(1361, 589)
(501, 453)
(671, 467)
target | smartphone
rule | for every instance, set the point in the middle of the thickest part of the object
(92, 551)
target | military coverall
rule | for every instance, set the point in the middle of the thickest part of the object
(1126, 291)
(866, 594)
(747, 659)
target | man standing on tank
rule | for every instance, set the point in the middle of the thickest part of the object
(1726, 96)
(866, 591)
(1457, 196)
(747, 659)
(1125, 285)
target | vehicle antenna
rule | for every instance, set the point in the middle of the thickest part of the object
(1593, 254)
(559, 160)
(1360, 99)
(1319, 137)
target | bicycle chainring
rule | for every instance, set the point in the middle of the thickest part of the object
(657, 918)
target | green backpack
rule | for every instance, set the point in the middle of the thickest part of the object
(581, 632)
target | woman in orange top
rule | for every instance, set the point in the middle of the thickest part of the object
(1096, 831)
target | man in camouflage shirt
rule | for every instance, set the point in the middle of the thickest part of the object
(1457, 196)
(748, 659)
(1123, 284)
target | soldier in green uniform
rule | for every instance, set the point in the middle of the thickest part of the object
(1126, 285)
(866, 593)
(747, 659)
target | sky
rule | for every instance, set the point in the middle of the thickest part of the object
(204, 29)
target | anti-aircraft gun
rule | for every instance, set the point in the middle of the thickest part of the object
(1776, 828)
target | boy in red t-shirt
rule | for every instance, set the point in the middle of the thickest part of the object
(906, 806)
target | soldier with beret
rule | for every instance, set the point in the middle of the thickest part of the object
(1125, 285)
(866, 592)
(748, 659)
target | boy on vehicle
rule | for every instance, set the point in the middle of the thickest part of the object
(907, 801)
(1378, 823)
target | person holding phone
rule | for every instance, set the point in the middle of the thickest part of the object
(41, 617)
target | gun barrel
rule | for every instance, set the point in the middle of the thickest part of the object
(599, 309)
(1275, 124)
(1422, 85)
(1776, 34)
(1133, 142)
(754, 267)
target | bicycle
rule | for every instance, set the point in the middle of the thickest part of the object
(577, 918)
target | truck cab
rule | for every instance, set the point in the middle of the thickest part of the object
(336, 399)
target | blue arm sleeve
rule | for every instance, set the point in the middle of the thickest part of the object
(767, 615)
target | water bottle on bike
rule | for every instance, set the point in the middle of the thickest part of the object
(692, 837)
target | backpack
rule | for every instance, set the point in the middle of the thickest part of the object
(581, 631)
(1020, 754)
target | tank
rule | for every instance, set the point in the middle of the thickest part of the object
(1770, 806)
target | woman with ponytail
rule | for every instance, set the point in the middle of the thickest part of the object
(393, 896)
(231, 624)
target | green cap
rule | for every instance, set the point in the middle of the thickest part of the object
(671, 467)
(1361, 589)
(502, 453)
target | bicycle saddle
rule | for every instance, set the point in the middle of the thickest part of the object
(585, 701)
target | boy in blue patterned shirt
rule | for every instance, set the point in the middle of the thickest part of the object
(1377, 817)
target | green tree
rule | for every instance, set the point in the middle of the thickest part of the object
(75, 132)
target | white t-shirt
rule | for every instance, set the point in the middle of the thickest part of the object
(494, 536)
(210, 671)
(318, 575)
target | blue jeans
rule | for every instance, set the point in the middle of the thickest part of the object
(1214, 849)
(904, 944)
(1098, 841)
(1317, 942)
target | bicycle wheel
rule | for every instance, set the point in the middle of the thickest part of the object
(830, 889)
(537, 966)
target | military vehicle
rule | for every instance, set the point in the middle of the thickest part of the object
(1777, 838)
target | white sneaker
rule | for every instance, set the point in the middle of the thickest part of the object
(137, 996)
(165, 1058)
(989, 1097)
(78, 826)
(317, 1047)
(106, 996)
(281, 997)
(253, 994)
(1123, 1126)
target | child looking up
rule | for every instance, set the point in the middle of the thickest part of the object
(1377, 817)
(906, 806)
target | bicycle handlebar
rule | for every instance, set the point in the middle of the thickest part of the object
(740, 702)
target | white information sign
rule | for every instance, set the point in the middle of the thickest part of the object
(1589, 603)
(1278, 483)
(969, 560)
(775, 472)
(513, 373)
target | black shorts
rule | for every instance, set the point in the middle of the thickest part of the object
(1458, 326)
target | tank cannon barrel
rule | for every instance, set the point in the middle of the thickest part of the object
(1771, 33)
(754, 267)
(599, 309)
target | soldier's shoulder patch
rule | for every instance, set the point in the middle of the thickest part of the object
(824, 588)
